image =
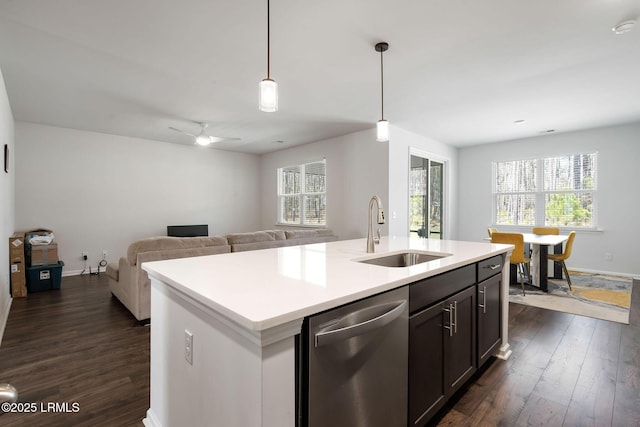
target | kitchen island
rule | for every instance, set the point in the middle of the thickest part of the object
(223, 326)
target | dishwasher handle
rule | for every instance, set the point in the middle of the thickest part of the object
(327, 337)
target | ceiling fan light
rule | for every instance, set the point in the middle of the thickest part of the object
(203, 140)
(624, 27)
(382, 128)
(268, 96)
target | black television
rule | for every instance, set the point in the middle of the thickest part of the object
(187, 230)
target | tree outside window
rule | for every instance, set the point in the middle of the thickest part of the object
(302, 195)
(555, 191)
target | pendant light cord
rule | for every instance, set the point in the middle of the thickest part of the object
(268, 42)
(382, 84)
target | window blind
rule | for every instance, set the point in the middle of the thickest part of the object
(555, 191)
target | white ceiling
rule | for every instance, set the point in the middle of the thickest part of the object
(458, 71)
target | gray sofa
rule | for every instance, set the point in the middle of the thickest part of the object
(131, 285)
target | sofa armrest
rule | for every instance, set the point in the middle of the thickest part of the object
(113, 271)
(123, 286)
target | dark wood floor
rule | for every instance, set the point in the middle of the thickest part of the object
(80, 345)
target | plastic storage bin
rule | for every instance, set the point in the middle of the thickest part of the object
(44, 277)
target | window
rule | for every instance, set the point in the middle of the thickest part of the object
(555, 191)
(302, 198)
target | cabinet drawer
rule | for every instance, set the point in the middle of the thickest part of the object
(425, 292)
(489, 267)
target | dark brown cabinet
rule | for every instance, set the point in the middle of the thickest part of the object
(442, 344)
(489, 308)
(489, 317)
(461, 359)
(427, 390)
(454, 328)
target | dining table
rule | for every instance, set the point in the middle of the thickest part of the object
(540, 244)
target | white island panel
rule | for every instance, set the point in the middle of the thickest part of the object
(234, 378)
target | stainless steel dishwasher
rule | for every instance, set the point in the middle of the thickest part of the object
(353, 364)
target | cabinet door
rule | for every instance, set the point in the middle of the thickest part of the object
(427, 386)
(489, 317)
(461, 359)
(442, 353)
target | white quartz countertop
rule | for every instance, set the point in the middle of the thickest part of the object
(267, 288)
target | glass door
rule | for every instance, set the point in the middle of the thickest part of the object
(425, 198)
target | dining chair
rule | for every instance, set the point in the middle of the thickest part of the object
(517, 256)
(491, 230)
(546, 230)
(563, 256)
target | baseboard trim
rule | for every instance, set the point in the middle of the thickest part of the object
(4, 316)
(151, 420)
(610, 273)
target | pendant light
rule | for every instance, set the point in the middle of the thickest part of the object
(382, 128)
(268, 88)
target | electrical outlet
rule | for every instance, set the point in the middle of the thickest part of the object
(104, 254)
(85, 255)
(188, 347)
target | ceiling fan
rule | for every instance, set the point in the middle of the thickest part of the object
(203, 138)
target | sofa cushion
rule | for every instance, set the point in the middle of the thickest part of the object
(300, 234)
(257, 236)
(182, 253)
(277, 234)
(167, 243)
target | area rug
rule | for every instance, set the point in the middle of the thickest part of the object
(593, 295)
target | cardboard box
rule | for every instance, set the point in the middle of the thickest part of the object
(42, 254)
(17, 265)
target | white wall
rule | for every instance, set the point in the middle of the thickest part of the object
(7, 202)
(357, 168)
(100, 192)
(401, 143)
(618, 150)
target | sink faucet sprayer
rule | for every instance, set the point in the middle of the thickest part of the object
(370, 238)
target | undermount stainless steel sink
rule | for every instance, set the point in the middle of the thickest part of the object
(404, 259)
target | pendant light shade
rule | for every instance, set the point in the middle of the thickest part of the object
(382, 131)
(268, 101)
(268, 96)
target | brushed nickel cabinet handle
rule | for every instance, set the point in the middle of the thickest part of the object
(484, 299)
(483, 292)
(455, 318)
(450, 327)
